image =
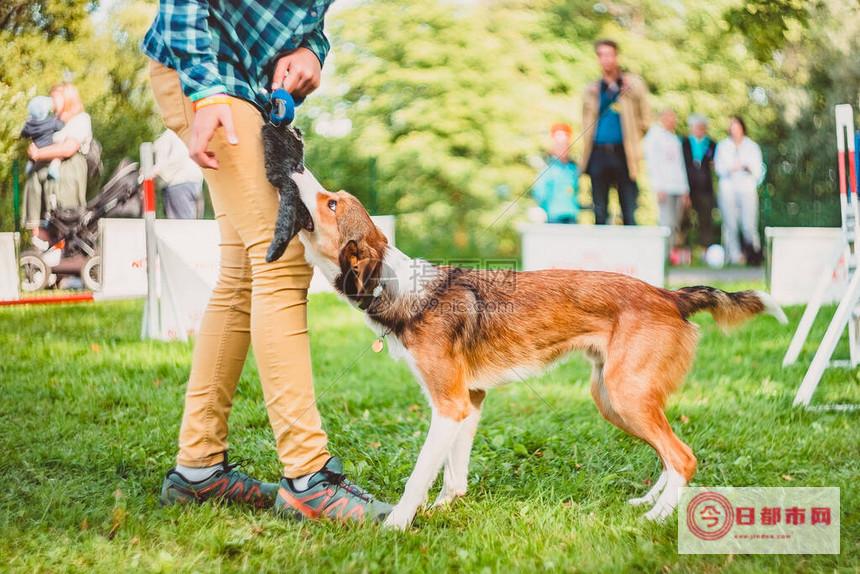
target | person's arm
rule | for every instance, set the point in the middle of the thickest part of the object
(299, 71)
(711, 154)
(78, 130)
(644, 108)
(753, 162)
(62, 150)
(186, 37)
(539, 189)
(317, 43)
(161, 149)
(722, 164)
(651, 148)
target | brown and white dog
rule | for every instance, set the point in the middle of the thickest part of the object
(464, 331)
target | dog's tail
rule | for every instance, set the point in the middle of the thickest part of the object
(727, 309)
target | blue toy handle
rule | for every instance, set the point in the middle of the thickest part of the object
(283, 106)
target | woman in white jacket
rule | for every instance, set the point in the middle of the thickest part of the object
(738, 164)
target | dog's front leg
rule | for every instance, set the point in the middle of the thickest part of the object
(456, 474)
(440, 439)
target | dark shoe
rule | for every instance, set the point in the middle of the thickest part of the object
(329, 495)
(227, 484)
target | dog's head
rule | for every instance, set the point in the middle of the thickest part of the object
(344, 243)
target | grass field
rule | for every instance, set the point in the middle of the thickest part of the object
(90, 414)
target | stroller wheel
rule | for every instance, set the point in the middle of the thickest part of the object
(35, 273)
(91, 273)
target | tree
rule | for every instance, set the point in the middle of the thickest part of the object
(447, 104)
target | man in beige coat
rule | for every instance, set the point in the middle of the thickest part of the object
(615, 116)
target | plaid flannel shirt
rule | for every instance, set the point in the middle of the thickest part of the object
(231, 46)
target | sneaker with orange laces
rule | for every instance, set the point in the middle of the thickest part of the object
(329, 495)
(227, 484)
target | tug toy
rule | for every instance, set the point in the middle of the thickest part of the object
(283, 107)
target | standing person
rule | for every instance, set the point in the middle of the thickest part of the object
(71, 146)
(212, 66)
(665, 160)
(739, 166)
(182, 178)
(615, 116)
(699, 153)
(557, 188)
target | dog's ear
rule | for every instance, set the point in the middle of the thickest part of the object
(359, 268)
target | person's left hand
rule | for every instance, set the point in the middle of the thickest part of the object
(687, 201)
(33, 152)
(298, 72)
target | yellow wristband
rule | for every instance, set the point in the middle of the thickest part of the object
(211, 101)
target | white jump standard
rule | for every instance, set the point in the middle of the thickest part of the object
(847, 312)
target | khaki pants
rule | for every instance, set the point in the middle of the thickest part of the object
(69, 191)
(264, 304)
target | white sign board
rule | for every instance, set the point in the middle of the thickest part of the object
(798, 257)
(188, 267)
(188, 257)
(638, 251)
(123, 258)
(8, 267)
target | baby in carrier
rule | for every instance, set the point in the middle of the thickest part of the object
(40, 127)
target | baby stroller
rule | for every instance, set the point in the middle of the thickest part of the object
(73, 234)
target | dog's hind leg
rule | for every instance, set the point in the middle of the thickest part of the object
(456, 474)
(643, 366)
(601, 399)
(655, 491)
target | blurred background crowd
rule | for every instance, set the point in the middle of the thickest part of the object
(439, 112)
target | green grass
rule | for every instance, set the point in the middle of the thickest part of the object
(89, 417)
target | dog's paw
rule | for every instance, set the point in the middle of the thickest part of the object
(446, 497)
(659, 513)
(642, 500)
(398, 519)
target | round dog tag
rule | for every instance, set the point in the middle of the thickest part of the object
(377, 345)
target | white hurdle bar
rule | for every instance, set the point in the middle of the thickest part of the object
(150, 327)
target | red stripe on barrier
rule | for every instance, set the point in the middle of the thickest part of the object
(852, 170)
(81, 298)
(149, 195)
(842, 187)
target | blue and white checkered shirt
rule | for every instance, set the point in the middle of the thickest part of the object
(231, 46)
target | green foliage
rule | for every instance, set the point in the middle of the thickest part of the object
(824, 71)
(89, 429)
(64, 19)
(766, 23)
(449, 104)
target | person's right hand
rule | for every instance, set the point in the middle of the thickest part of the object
(662, 196)
(206, 120)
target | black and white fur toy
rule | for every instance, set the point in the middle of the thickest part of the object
(284, 151)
